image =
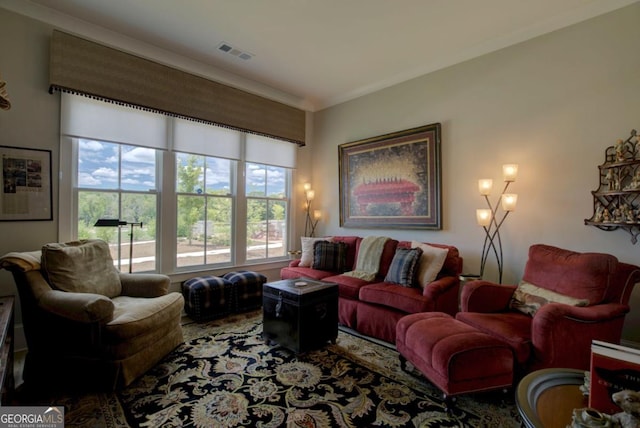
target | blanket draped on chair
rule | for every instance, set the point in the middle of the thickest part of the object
(368, 261)
(24, 261)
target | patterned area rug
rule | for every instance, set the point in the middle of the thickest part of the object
(226, 376)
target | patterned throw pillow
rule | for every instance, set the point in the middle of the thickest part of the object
(403, 267)
(330, 256)
(528, 298)
(306, 259)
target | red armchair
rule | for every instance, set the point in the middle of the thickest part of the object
(558, 334)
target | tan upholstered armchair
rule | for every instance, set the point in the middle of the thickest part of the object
(87, 324)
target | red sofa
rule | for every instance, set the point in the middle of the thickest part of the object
(374, 307)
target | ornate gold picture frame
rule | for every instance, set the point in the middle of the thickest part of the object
(392, 181)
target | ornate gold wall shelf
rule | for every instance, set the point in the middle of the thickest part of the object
(616, 203)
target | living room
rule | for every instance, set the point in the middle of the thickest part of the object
(543, 104)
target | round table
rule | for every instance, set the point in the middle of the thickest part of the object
(546, 398)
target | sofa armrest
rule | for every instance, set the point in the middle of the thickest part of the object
(485, 296)
(562, 334)
(79, 307)
(439, 286)
(294, 263)
(552, 314)
(144, 284)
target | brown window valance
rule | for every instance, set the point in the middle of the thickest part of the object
(88, 68)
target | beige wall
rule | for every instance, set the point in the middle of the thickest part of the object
(32, 121)
(552, 105)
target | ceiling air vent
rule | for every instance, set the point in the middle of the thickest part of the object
(227, 48)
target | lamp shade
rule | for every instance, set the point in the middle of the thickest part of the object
(109, 222)
(510, 171)
(509, 201)
(483, 217)
(485, 185)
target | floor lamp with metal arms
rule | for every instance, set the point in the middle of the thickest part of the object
(114, 222)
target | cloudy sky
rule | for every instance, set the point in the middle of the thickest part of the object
(98, 168)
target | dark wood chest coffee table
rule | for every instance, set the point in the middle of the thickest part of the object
(300, 314)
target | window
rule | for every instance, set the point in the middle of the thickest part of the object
(206, 196)
(118, 181)
(204, 210)
(266, 193)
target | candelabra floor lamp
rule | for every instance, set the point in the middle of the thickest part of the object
(114, 222)
(487, 218)
(311, 217)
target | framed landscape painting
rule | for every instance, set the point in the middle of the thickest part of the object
(393, 180)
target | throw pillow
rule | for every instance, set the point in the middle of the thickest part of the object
(431, 262)
(306, 259)
(82, 266)
(330, 256)
(403, 270)
(529, 298)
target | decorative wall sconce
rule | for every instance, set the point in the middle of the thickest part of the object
(312, 217)
(114, 222)
(487, 217)
(5, 104)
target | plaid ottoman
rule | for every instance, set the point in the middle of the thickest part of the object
(247, 289)
(207, 297)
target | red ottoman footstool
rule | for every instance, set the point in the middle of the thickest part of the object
(454, 356)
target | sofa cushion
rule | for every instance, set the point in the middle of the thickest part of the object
(137, 322)
(405, 299)
(431, 262)
(306, 258)
(388, 252)
(580, 275)
(353, 243)
(82, 266)
(528, 298)
(368, 258)
(294, 272)
(330, 256)
(513, 328)
(452, 265)
(403, 270)
(348, 286)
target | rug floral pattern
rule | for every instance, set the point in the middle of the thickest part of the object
(225, 375)
(230, 377)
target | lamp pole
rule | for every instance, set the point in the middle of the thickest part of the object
(114, 222)
(131, 244)
(310, 223)
(487, 217)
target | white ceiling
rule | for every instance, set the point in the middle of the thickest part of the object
(313, 53)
